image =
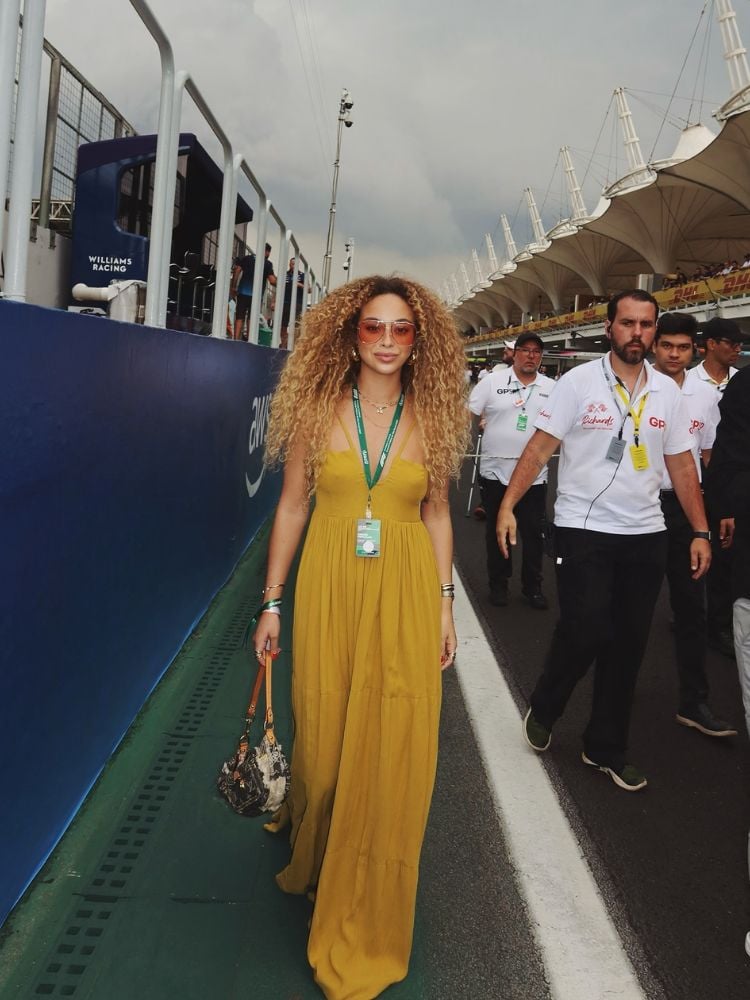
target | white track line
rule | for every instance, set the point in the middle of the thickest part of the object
(582, 952)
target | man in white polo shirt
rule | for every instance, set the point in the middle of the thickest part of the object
(619, 425)
(508, 401)
(674, 346)
(722, 340)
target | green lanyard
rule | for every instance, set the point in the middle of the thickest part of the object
(370, 479)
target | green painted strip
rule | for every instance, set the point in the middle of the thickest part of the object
(158, 890)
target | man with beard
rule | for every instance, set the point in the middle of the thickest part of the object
(619, 425)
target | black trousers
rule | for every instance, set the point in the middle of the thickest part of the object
(607, 587)
(529, 514)
(688, 600)
(719, 583)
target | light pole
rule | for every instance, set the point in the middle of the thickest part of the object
(344, 119)
(349, 262)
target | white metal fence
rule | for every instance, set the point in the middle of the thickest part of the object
(174, 83)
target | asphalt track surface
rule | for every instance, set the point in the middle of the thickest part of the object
(671, 861)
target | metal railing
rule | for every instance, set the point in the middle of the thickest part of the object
(173, 84)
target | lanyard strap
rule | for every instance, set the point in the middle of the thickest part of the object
(524, 400)
(634, 414)
(370, 479)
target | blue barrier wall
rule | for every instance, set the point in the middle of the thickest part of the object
(131, 482)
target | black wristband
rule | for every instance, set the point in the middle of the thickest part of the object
(702, 534)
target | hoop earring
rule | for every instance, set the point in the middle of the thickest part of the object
(412, 359)
(355, 355)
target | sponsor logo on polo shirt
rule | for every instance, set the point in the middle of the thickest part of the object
(501, 392)
(657, 422)
(696, 425)
(596, 415)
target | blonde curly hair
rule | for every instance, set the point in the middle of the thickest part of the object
(321, 370)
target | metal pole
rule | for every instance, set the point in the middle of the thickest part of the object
(21, 186)
(50, 135)
(9, 13)
(280, 288)
(163, 206)
(345, 105)
(260, 265)
(475, 469)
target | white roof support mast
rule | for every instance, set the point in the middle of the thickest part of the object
(735, 55)
(577, 204)
(632, 143)
(540, 239)
(510, 243)
(491, 255)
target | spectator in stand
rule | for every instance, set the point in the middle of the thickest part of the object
(722, 340)
(241, 288)
(484, 371)
(746, 261)
(286, 308)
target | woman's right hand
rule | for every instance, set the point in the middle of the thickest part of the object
(266, 635)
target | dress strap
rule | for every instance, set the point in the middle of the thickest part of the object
(346, 432)
(406, 439)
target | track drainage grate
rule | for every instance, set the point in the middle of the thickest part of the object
(87, 921)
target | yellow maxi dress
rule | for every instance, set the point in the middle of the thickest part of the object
(366, 694)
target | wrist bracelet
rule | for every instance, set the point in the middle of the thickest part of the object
(274, 586)
(447, 590)
(702, 534)
(273, 605)
(270, 611)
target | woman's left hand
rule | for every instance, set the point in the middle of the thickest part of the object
(448, 632)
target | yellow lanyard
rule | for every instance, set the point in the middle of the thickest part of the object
(635, 415)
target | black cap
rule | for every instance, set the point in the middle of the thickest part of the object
(721, 329)
(524, 338)
(268, 247)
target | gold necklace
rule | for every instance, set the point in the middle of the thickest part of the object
(374, 422)
(380, 408)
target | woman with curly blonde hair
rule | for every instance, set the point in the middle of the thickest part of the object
(369, 417)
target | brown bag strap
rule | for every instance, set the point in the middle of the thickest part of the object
(252, 706)
(268, 667)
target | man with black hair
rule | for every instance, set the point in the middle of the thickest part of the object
(508, 402)
(619, 426)
(241, 287)
(722, 339)
(728, 491)
(674, 346)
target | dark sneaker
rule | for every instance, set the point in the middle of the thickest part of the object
(702, 719)
(535, 734)
(627, 777)
(499, 594)
(537, 600)
(723, 642)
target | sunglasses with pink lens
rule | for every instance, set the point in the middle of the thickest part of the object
(372, 330)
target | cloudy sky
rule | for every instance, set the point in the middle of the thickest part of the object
(457, 106)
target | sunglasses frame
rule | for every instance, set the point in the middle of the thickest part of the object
(384, 324)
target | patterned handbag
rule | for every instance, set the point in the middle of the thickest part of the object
(256, 779)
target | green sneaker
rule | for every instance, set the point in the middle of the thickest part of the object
(537, 737)
(628, 777)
